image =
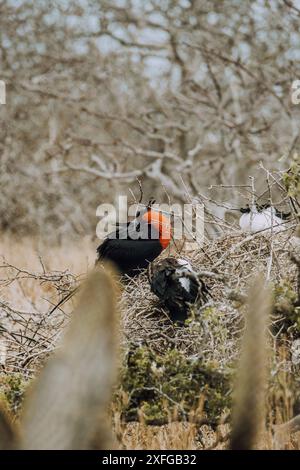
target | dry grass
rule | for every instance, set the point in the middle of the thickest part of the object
(32, 278)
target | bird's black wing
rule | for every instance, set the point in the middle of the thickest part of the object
(282, 215)
(159, 283)
(120, 233)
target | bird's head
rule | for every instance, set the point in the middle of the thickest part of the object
(254, 209)
(245, 210)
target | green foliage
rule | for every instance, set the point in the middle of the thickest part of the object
(292, 178)
(12, 389)
(285, 298)
(159, 386)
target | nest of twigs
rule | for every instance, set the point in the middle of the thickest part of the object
(227, 264)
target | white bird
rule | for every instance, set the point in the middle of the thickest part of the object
(262, 218)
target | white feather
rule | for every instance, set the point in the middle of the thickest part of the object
(185, 264)
(184, 281)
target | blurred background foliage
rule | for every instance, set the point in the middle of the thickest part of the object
(181, 94)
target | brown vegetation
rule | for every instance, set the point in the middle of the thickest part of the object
(184, 101)
(182, 95)
(201, 357)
